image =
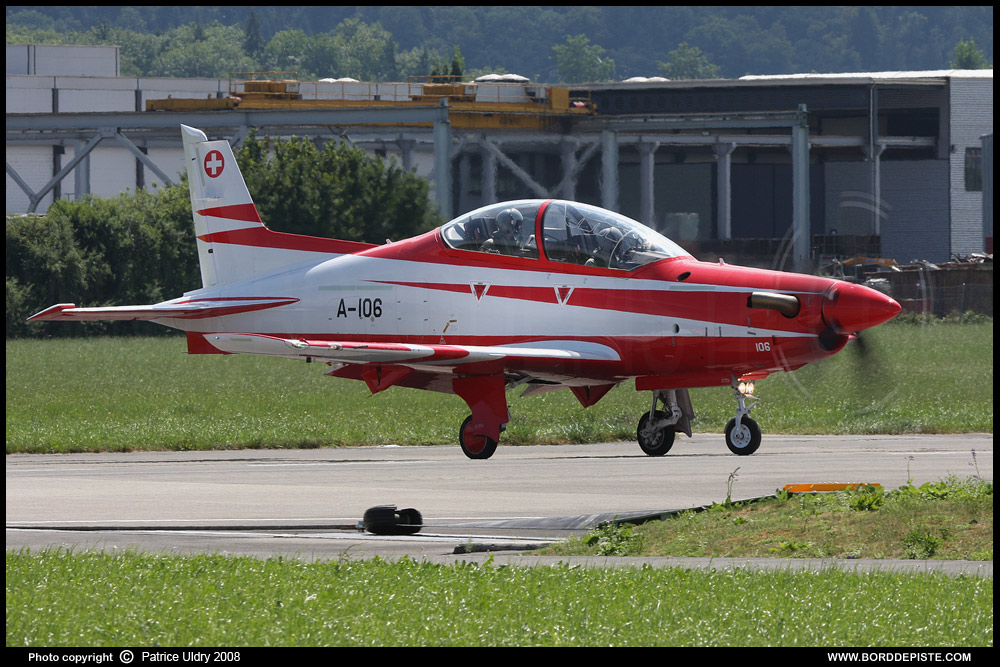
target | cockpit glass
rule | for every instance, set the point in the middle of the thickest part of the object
(571, 232)
(583, 234)
(503, 229)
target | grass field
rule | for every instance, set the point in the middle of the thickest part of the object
(145, 393)
(951, 519)
(122, 394)
(58, 598)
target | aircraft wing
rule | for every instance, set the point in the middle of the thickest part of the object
(181, 309)
(355, 352)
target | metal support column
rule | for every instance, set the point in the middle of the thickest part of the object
(489, 184)
(874, 157)
(801, 232)
(81, 177)
(724, 188)
(406, 152)
(647, 164)
(609, 170)
(442, 163)
(464, 182)
(569, 169)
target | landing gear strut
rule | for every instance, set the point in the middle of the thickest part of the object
(658, 428)
(485, 395)
(743, 433)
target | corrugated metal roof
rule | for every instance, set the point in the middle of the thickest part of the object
(925, 77)
(877, 76)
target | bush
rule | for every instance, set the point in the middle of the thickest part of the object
(130, 249)
(338, 191)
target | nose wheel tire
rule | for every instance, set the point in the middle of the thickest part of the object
(743, 439)
(658, 442)
(475, 446)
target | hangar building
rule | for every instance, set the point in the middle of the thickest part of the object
(885, 164)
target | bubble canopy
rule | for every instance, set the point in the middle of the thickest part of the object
(561, 231)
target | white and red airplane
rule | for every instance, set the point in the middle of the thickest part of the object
(542, 293)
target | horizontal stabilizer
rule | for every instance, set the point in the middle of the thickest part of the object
(183, 309)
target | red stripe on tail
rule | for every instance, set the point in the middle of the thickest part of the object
(244, 212)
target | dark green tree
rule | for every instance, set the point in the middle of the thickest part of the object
(688, 62)
(578, 62)
(295, 51)
(193, 51)
(457, 64)
(368, 51)
(968, 56)
(338, 191)
(253, 42)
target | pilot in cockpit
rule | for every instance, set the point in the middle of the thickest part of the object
(506, 238)
(606, 240)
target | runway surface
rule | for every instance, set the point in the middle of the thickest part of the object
(308, 503)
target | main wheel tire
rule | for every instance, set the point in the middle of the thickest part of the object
(475, 446)
(661, 441)
(745, 439)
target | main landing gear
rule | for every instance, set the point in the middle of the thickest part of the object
(487, 400)
(475, 446)
(658, 428)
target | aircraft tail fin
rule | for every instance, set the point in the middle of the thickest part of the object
(233, 243)
(220, 203)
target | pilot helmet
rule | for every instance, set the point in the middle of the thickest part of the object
(509, 221)
(612, 234)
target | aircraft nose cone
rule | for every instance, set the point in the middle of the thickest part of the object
(849, 308)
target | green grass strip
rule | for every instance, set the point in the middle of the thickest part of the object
(951, 519)
(57, 598)
(124, 394)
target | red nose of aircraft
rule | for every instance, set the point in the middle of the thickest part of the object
(849, 308)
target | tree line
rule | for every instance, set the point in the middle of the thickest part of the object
(547, 44)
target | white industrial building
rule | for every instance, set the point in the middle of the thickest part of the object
(894, 156)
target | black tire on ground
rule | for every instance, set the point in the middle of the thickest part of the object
(380, 520)
(410, 521)
(387, 520)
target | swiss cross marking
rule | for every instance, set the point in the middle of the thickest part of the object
(214, 163)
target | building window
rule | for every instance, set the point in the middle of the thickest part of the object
(974, 169)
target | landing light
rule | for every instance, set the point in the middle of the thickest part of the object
(746, 388)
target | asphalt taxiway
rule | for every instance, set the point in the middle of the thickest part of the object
(309, 503)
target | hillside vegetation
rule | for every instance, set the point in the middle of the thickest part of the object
(570, 44)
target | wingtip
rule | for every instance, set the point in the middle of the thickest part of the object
(51, 313)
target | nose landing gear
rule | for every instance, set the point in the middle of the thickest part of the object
(743, 433)
(658, 428)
